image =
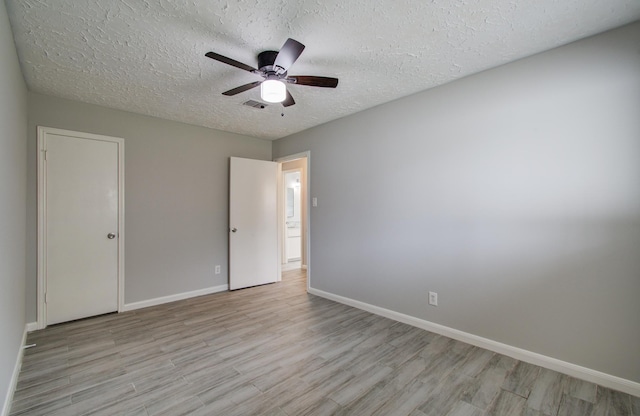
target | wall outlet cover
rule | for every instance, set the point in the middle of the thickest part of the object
(433, 299)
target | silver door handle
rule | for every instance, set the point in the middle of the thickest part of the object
(111, 236)
(234, 229)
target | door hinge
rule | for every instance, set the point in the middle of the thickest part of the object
(45, 155)
(46, 297)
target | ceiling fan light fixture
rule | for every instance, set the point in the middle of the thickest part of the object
(273, 91)
(273, 68)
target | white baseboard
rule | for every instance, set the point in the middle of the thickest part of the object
(32, 326)
(14, 377)
(173, 298)
(573, 370)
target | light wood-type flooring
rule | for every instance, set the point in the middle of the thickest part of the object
(276, 350)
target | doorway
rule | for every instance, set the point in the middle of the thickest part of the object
(292, 234)
(294, 216)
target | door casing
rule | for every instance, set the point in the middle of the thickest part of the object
(42, 214)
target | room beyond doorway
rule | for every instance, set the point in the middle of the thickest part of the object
(292, 232)
(292, 265)
(294, 213)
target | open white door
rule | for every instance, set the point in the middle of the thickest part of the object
(253, 223)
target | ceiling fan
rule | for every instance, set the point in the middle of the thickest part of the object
(273, 67)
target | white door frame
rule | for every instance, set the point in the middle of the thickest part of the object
(42, 217)
(307, 223)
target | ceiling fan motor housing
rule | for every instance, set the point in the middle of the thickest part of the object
(266, 60)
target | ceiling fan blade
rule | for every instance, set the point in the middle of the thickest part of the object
(229, 61)
(242, 88)
(289, 101)
(325, 82)
(288, 54)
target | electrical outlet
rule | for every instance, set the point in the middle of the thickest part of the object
(433, 299)
(217, 269)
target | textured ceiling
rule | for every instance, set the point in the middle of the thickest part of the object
(147, 56)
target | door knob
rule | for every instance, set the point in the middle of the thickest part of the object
(234, 229)
(111, 236)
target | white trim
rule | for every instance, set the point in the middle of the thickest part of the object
(120, 224)
(280, 225)
(307, 241)
(587, 374)
(294, 156)
(6, 407)
(42, 209)
(42, 237)
(32, 326)
(173, 298)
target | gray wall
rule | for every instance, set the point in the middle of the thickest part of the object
(176, 195)
(514, 194)
(13, 159)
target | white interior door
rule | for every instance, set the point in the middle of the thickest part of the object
(82, 228)
(253, 223)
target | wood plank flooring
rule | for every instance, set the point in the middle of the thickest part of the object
(276, 350)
